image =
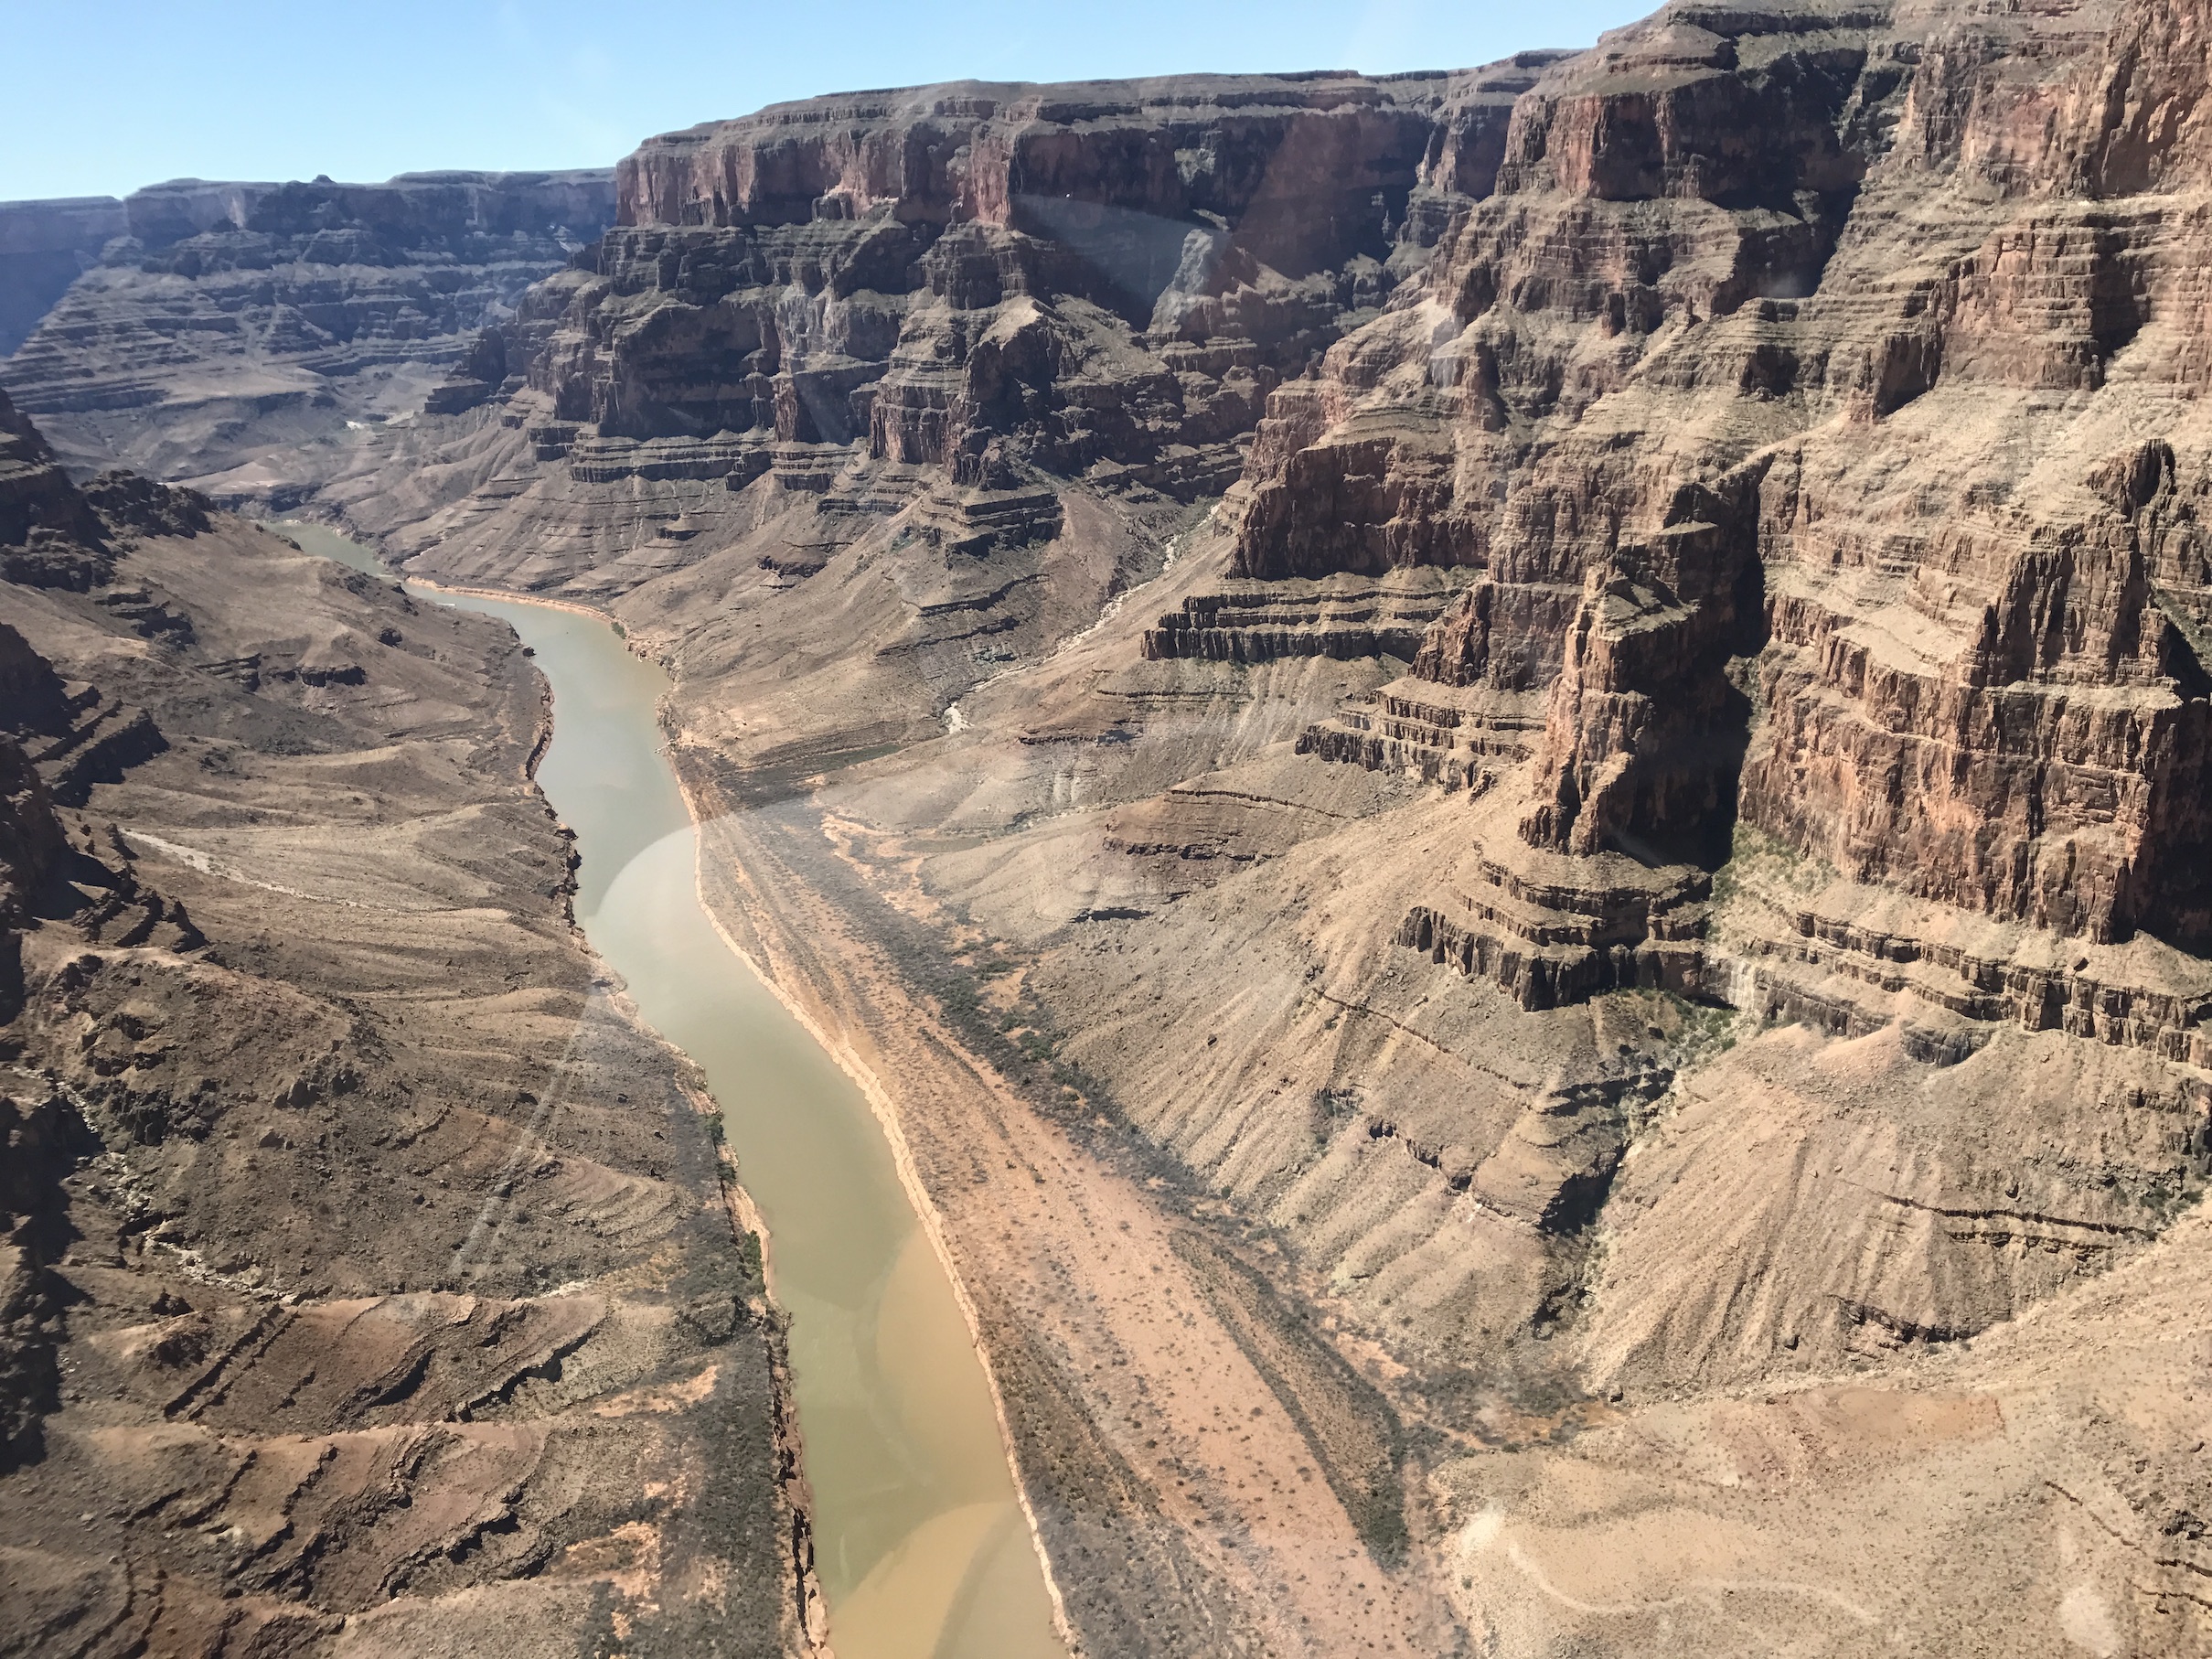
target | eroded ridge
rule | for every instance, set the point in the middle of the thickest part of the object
(1553, 833)
(372, 1280)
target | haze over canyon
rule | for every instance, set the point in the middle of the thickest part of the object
(1501, 778)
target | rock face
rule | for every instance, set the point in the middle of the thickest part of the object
(1730, 263)
(973, 286)
(44, 246)
(229, 323)
(1640, 851)
(50, 534)
(940, 369)
(369, 1280)
(999, 277)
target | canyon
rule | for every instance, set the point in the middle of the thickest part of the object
(233, 334)
(1502, 773)
(373, 1281)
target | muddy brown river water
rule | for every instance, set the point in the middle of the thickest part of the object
(921, 1548)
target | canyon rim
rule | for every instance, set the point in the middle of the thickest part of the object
(1503, 777)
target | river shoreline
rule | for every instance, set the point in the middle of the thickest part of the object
(883, 1112)
(1119, 1322)
(925, 1207)
(1116, 1342)
(810, 1606)
(871, 1090)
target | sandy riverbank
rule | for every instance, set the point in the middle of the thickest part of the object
(1179, 1447)
(886, 1114)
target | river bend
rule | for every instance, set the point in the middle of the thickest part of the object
(921, 1549)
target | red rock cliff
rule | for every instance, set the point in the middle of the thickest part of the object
(993, 278)
(1787, 400)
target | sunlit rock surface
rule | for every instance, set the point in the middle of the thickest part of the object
(240, 334)
(1557, 715)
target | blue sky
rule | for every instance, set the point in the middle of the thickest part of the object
(100, 99)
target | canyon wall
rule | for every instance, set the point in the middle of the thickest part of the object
(1644, 821)
(1549, 724)
(44, 246)
(1078, 274)
(1743, 925)
(370, 1280)
(944, 369)
(228, 331)
(1657, 388)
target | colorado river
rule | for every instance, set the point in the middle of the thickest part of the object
(921, 1549)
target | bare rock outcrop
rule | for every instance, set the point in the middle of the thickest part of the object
(225, 328)
(1792, 964)
(1637, 853)
(1067, 277)
(369, 1280)
(995, 343)
(44, 246)
(1709, 214)
(49, 536)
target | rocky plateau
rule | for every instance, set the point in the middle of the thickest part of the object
(236, 335)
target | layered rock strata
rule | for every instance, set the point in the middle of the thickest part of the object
(370, 1279)
(44, 246)
(1803, 427)
(964, 337)
(229, 331)
(1613, 938)
(2038, 651)
(1459, 737)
